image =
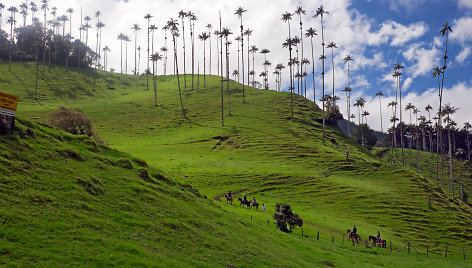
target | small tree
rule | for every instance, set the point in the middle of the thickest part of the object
(284, 216)
(72, 121)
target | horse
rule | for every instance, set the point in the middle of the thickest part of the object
(229, 199)
(353, 236)
(255, 205)
(244, 202)
(382, 242)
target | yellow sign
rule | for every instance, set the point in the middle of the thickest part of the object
(8, 104)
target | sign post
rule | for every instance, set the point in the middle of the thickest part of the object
(8, 104)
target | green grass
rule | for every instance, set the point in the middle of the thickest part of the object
(259, 151)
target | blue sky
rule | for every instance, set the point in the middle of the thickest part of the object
(377, 33)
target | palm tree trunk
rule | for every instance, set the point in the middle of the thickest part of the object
(221, 72)
(37, 72)
(178, 77)
(242, 57)
(204, 63)
(183, 43)
(323, 74)
(227, 78)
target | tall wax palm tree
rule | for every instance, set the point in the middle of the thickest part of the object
(239, 12)
(221, 68)
(289, 42)
(332, 45)
(304, 62)
(209, 27)
(87, 27)
(447, 111)
(248, 33)
(320, 13)
(238, 39)
(2, 7)
(398, 75)
(217, 34)
(311, 33)
(428, 109)
(106, 49)
(148, 18)
(437, 73)
(467, 128)
(365, 114)
(99, 26)
(152, 29)
(121, 38)
(279, 68)
(267, 64)
(348, 90)
(173, 27)
(24, 12)
(415, 112)
(139, 58)
(300, 11)
(225, 33)
(253, 50)
(164, 51)
(236, 74)
(154, 58)
(296, 41)
(70, 11)
(12, 22)
(127, 40)
(182, 16)
(192, 18)
(34, 9)
(380, 94)
(264, 52)
(136, 29)
(204, 37)
(97, 45)
(410, 107)
(45, 8)
(277, 74)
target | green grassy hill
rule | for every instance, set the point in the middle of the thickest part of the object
(260, 152)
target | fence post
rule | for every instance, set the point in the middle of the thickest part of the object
(427, 250)
(429, 200)
(302, 231)
(390, 245)
(267, 222)
(446, 252)
(332, 239)
(251, 217)
(318, 236)
(366, 244)
(408, 247)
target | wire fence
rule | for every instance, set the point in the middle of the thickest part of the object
(408, 247)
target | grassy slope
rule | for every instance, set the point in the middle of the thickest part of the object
(259, 152)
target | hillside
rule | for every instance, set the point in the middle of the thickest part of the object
(263, 153)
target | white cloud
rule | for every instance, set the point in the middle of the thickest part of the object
(465, 3)
(424, 59)
(437, 41)
(398, 34)
(461, 30)
(463, 55)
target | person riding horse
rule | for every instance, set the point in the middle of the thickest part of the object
(354, 231)
(229, 195)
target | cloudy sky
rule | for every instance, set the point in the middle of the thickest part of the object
(377, 33)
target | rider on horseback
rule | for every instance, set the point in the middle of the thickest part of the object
(244, 197)
(378, 237)
(354, 231)
(254, 199)
(229, 195)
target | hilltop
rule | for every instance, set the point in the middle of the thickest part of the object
(259, 151)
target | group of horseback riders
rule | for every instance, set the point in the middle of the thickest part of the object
(244, 202)
(375, 239)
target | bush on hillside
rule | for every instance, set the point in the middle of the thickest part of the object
(74, 121)
(284, 216)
